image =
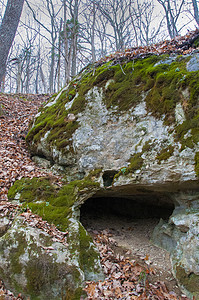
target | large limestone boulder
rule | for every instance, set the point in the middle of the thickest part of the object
(133, 127)
(139, 119)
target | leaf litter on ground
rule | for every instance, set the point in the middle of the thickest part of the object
(124, 278)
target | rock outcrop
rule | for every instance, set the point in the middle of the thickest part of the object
(38, 261)
(131, 129)
(139, 118)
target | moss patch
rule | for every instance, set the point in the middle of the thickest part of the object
(72, 294)
(189, 281)
(17, 252)
(136, 162)
(188, 132)
(33, 189)
(197, 163)
(147, 146)
(129, 81)
(165, 153)
(54, 119)
(88, 254)
(94, 174)
(40, 272)
(45, 277)
(51, 203)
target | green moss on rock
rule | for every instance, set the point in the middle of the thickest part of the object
(54, 119)
(33, 271)
(165, 153)
(33, 189)
(77, 294)
(147, 146)
(94, 174)
(136, 162)
(189, 281)
(47, 200)
(36, 277)
(88, 255)
(197, 163)
(189, 127)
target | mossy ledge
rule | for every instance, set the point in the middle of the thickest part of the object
(135, 163)
(46, 199)
(165, 153)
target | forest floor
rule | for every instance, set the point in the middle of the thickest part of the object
(134, 268)
(130, 239)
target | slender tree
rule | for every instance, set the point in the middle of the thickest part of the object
(143, 19)
(117, 14)
(8, 30)
(172, 9)
(196, 12)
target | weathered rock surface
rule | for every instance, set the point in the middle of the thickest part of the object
(154, 118)
(132, 127)
(38, 263)
(180, 237)
(28, 266)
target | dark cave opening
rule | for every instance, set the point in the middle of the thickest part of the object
(144, 206)
(108, 177)
(125, 219)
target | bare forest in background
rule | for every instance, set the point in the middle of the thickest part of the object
(57, 38)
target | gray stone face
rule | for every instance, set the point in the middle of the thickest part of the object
(107, 140)
(167, 60)
(193, 64)
(179, 236)
(34, 264)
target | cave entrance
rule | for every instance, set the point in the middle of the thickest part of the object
(128, 207)
(127, 220)
(130, 219)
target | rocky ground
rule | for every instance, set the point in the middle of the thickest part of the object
(131, 238)
(134, 268)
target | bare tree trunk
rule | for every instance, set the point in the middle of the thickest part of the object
(74, 56)
(74, 39)
(66, 48)
(59, 68)
(3, 84)
(172, 13)
(27, 83)
(37, 77)
(52, 65)
(38, 68)
(93, 34)
(7, 31)
(195, 9)
(19, 69)
(59, 58)
(43, 79)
